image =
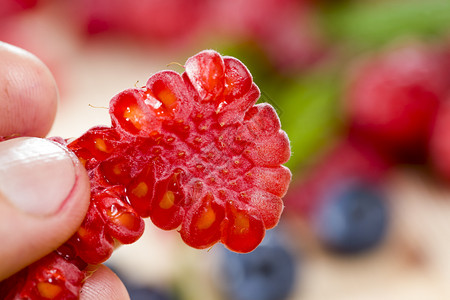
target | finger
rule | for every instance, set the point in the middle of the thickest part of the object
(44, 195)
(103, 284)
(28, 94)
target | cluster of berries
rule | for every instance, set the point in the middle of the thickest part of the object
(396, 105)
(291, 40)
(192, 152)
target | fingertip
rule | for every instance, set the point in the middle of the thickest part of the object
(28, 96)
(44, 196)
(103, 284)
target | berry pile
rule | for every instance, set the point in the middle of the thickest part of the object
(190, 151)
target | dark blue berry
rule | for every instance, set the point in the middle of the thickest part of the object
(147, 293)
(266, 273)
(143, 292)
(353, 217)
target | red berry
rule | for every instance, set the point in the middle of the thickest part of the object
(193, 160)
(189, 151)
(52, 277)
(148, 19)
(291, 39)
(393, 100)
(440, 143)
(12, 7)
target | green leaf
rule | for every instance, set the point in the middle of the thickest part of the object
(309, 113)
(374, 23)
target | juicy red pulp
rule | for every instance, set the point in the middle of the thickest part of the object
(190, 151)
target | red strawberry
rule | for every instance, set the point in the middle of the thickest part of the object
(190, 151)
(393, 100)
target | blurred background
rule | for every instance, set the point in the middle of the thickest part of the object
(362, 88)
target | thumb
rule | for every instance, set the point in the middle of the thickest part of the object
(44, 195)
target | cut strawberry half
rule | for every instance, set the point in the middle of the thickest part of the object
(190, 151)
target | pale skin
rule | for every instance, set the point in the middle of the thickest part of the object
(32, 226)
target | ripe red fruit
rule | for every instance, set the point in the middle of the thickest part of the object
(196, 152)
(53, 277)
(393, 100)
(291, 39)
(189, 151)
(11, 7)
(440, 143)
(149, 19)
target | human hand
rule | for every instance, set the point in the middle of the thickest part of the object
(44, 190)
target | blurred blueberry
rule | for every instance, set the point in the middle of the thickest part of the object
(266, 273)
(353, 217)
(142, 292)
(148, 293)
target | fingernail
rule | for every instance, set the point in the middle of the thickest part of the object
(36, 175)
